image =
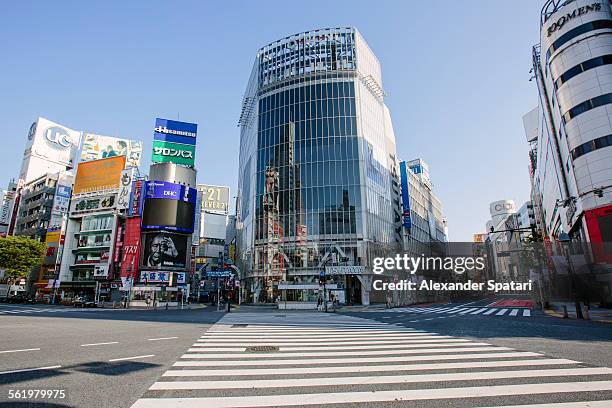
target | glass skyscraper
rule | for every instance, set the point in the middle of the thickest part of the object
(318, 170)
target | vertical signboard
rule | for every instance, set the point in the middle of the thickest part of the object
(406, 220)
(125, 188)
(61, 200)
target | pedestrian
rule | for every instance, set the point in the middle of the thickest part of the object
(320, 303)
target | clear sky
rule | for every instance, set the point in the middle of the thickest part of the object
(456, 74)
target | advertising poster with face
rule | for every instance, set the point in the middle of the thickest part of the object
(164, 250)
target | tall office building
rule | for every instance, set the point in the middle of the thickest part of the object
(317, 167)
(570, 132)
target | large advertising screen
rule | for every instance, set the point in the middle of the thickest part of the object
(99, 175)
(164, 250)
(97, 147)
(175, 131)
(173, 215)
(169, 206)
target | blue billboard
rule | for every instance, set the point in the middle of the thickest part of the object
(176, 132)
(406, 220)
(170, 191)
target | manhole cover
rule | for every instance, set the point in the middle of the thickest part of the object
(239, 325)
(261, 349)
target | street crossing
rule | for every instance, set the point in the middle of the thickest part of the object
(462, 310)
(305, 359)
(11, 310)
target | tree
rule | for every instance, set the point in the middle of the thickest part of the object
(18, 255)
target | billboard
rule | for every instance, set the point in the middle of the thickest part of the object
(215, 198)
(164, 250)
(168, 152)
(53, 142)
(171, 191)
(97, 147)
(175, 132)
(99, 175)
(102, 202)
(61, 200)
(50, 148)
(131, 248)
(161, 277)
(406, 220)
(135, 205)
(169, 206)
(125, 188)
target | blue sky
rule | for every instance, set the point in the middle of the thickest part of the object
(456, 74)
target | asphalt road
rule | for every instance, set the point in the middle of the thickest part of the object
(117, 358)
(586, 341)
(140, 345)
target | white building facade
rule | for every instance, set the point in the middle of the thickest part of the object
(571, 131)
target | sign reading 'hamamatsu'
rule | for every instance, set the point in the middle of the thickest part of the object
(557, 25)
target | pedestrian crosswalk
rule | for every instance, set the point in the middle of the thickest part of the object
(23, 310)
(305, 359)
(462, 310)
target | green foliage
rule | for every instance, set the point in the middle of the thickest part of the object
(18, 255)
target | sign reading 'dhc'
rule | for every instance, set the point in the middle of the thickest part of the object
(176, 132)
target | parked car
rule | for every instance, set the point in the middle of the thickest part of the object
(82, 301)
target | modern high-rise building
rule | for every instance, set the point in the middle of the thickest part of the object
(317, 167)
(570, 132)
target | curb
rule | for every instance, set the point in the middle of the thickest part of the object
(553, 313)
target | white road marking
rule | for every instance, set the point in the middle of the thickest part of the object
(163, 338)
(488, 312)
(366, 380)
(526, 312)
(30, 369)
(501, 312)
(17, 351)
(99, 344)
(582, 404)
(514, 312)
(478, 311)
(379, 396)
(196, 353)
(131, 358)
(365, 369)
(279, 362)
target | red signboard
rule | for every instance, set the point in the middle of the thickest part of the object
(131, 248)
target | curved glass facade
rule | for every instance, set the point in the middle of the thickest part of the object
(315, 181)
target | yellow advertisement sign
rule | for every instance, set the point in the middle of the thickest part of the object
(99, 175)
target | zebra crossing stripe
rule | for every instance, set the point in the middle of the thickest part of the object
(514, 312)
(337, 346)
(488, 312)
(390, 359)
(366, 380)
(379, 396)
(479, 311)
(582, 404)
(501, 312)
(526, 312)
(200, 356)
(366, 369)
(471, 309)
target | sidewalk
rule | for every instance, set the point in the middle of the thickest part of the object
(601, 315)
